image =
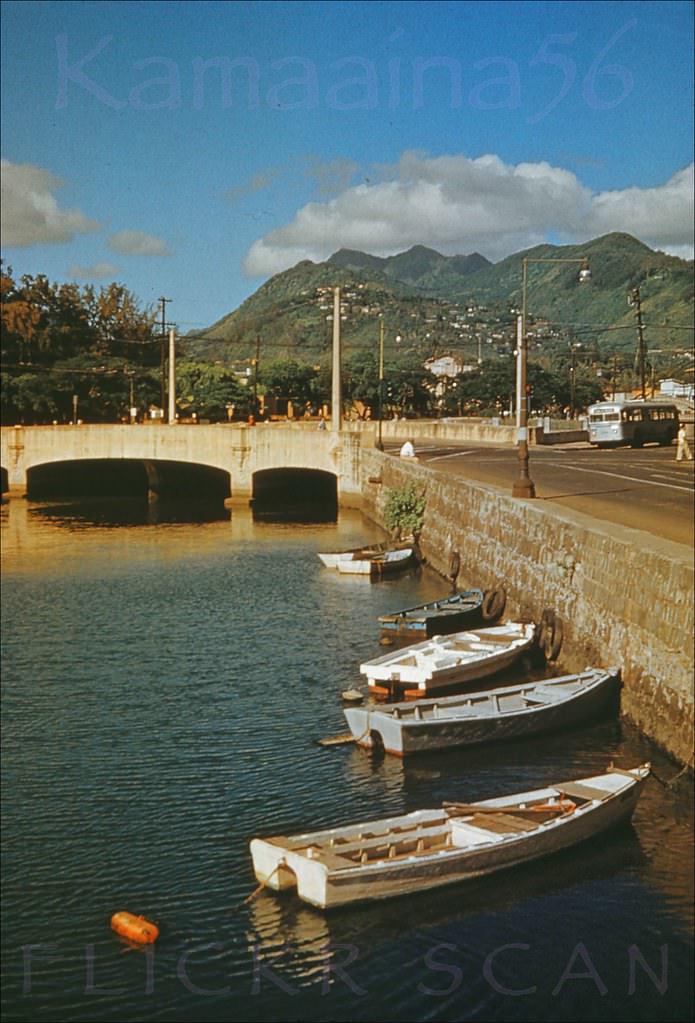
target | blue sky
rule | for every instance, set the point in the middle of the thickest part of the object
(194, 149)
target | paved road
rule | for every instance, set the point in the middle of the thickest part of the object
(644, 489)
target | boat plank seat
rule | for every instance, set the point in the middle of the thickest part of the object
(426, 834)
(584, 792)
(549, 695)
(410, 846)
(502, 640)
(501, 823)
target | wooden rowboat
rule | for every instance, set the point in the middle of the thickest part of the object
(445, 661)
(441, 617)
(377, 565)
(331, 559)
(428, 848)
(509, 712)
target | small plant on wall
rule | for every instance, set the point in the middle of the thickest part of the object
(404, 510)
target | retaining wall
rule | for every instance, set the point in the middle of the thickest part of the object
(625, 598)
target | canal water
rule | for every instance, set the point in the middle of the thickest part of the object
(164, 682)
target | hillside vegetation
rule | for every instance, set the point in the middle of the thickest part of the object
(438, 303)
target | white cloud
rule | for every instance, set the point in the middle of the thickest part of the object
(137, 243)
(459, 205)
(29, 211)
(96, 272)
(661, 216)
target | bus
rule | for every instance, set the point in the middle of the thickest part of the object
(632, 422)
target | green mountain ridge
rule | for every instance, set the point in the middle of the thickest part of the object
(423, 298)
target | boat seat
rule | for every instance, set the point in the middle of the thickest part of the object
(378, 848)
(543, 695)
(501, 823)
(584, 792)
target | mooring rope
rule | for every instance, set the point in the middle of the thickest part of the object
(259, 888)
(667, 782)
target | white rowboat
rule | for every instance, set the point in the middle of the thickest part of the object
(332, 559)
(444, 661)
(430, 848)
(377, 565)
(510, 712)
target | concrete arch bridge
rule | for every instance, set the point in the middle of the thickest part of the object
(243, 458)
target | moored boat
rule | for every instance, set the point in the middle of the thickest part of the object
(508, 712)
(378, 565)
(445, 661)
(331, 559)
(448, 614)
(426, 849)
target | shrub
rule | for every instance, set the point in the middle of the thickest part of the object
(404, 510)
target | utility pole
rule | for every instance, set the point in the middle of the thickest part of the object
(163, 354)
(255, 375)
(336, 391)
(380, 443)
(172, 377)
(635, 299)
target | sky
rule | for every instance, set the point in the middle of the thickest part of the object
(192, 150)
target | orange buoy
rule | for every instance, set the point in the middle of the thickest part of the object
(136, 928)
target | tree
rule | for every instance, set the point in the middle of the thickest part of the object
(361, 379)
(289, 378)
(208, 390)
(59, 340)
(409, 386)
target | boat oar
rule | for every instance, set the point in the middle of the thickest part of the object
(336, 740)
(465, 809)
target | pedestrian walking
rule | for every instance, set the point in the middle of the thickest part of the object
(683, 451)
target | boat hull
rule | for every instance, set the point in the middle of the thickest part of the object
(385, 564)
(437, 618)
(444, 662)
(470, 851)
(405, 730)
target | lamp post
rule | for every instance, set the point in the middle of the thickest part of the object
(336, 387)
(573, 375)
(524, 485)
(380, 443)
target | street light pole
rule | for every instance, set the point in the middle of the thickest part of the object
(573, 376)
(523, 485)
(336, 389)
(380, 443)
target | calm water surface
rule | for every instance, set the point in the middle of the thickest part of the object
(164, 682)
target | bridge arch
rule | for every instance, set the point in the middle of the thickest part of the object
(236, 450)
(300, 490)
(132, 477)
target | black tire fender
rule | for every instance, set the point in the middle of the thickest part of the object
(493, 605)
(454, 565)
(550, 635)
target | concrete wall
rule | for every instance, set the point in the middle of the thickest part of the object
(479, 430)
(625, 598)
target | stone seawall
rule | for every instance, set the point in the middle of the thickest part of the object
(625, 597)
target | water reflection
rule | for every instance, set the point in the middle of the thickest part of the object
(111, 513)
(297, 938)
(295, 511)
